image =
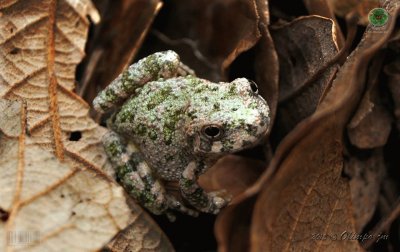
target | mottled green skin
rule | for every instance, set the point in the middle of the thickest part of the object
(159, 130)
(165, 119)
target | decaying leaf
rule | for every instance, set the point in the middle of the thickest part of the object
(306, 202)
(306, 45)
(52, 185)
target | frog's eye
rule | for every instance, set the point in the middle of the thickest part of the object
(213, 131)
(253, 87)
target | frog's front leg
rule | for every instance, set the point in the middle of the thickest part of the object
(197, 197)
(151, 68)
(136, 177)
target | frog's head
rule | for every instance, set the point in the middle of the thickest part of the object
(227, 117)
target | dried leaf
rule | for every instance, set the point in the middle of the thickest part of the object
(371, 125)
(140, 236)
(392, 70)
(232, 228)
(212, 36)
(10, 122)
(233, 174)
(306, 198)
(306, 194)
(52, 183)
(266, 61)
(322, 8)
(362, 8)
(366, 175)
(47, 200)
(306, 45)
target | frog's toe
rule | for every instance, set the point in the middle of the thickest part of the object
(218, 200)
(179, 206)
(171, 216)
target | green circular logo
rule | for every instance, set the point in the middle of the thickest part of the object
(378, 17)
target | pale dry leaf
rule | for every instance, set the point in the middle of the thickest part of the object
(140, 237)
(10, 123)
(84, 8)
(51, 204)
(59, 147)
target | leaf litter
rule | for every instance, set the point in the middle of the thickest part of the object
(324, 169)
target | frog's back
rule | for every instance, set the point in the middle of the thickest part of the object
(154, 120)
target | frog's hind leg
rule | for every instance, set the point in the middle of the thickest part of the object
(136, 177)
(151, 68)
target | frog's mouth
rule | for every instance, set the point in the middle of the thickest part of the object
(202, 144)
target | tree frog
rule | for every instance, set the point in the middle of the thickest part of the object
(170, 125)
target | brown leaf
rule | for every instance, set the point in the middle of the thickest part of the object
(304, 47)
(306, 198)
(366, 175)
(362, 8)
(306, 194)
(322, 8)
(232, 228)
(140, 236)
(47, 200)
(371, 125)
(266, 62)
(392, 70)
(212, 35)
(118, 38)
(233, 174)
(52, 183)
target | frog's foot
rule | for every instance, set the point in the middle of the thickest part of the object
(197, 197)
(179, 206)
(151, 68)
(176, 205)
(184, 70)
(220, 199)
